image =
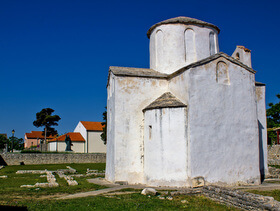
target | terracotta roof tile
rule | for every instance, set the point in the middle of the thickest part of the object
(37, 134)
(96, 126)
(73, 136)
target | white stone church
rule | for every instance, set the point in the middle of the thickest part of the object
(196, 113)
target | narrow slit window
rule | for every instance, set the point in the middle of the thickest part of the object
(212, 43)
(190, 51)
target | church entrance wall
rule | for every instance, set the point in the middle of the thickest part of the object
(165, 147)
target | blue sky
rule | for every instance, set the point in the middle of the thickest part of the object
(57, 53)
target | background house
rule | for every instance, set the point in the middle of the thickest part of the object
(34, 138)
(58, 144)
(91, 132)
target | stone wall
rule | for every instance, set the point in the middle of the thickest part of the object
(50, 158)
(273, 154)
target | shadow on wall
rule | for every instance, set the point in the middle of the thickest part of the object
(261, 161)
(2, 162)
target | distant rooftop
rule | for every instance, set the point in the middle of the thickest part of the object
(37, 134)
(182, 20)
(95, 126)
(73, 136)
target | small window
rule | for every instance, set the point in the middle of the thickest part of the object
(222, 75)
(237, 56)
(212, 43)
(150, 132)
(190, 51)
(159, 47)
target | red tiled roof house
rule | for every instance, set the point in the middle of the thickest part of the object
(91, 132)
(34, 138)
(58, 144)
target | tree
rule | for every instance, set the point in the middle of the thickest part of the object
(45, 119)
(273, 114)
(3, 141)
(18, 143)
(104, 124)
(273, 119)
(13, 142)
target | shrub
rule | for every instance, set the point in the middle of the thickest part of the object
(30, 151)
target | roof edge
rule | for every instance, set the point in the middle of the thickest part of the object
(166, 100)
(210, 59)
(182, 20)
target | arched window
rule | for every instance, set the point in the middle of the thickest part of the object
(190, 51)
(237, 56)
(212, 43)
(222, 75)
(159, 47)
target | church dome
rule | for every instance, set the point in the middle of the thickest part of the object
(182, 20)
(180, 41)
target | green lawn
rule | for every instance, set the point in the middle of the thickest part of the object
(44, 198)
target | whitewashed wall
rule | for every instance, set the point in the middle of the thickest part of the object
(173, 46)
(260, 94)
(223, 130)
(126, 122)
(80, 128)
(60, 146)
(111, 141)
(166, 147)
(95, 144)
(52, 146)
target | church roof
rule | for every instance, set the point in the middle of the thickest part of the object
(210, 59)
(74, 136)
(150, 73)
(182, 20)
(131, 71)
(259, 84)
(167, 100)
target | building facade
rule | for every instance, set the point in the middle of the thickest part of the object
(34, 139)
(195, 113)
(91, 132)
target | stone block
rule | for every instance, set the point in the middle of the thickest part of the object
(198, 182)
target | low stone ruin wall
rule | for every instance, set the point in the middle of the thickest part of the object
(49, 158)
(273, 155)
(236, 198)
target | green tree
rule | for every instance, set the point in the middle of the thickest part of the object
(104, 124)
(45, 119)
(15, 143)
(3, 141)
(18, 143)
(273, 119)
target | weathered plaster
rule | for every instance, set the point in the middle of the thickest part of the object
(165, 141)
(261, 112)
(215, 132)
(175, 52)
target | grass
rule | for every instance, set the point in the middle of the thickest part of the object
(44, 198)
(274, 193)
(10, 187)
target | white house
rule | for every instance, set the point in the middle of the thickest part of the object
(85, 139)
(91, 132)
(58, 144)
(195, 113)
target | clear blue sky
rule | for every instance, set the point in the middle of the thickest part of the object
(57, 53)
